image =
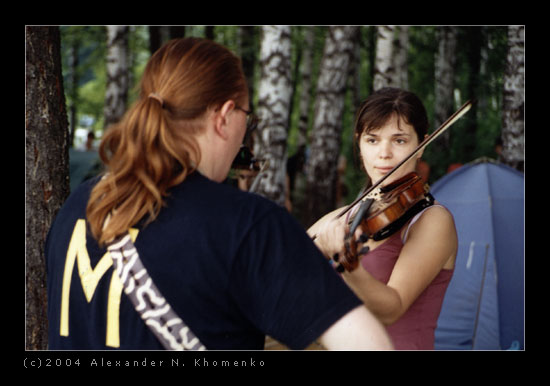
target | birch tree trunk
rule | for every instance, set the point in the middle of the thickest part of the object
(445, 60)
(391, 63)
(401, 58)
(305, 97)
(384, 70)
(321, 167)
(354, 76)
(273, 109)
(46, 168)
(513, 100)
(116, 93)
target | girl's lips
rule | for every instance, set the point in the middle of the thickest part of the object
(384, 169)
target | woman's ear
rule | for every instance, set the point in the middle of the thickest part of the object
(419, 155)
(221, 119)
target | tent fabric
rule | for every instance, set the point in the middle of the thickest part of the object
(483, 308)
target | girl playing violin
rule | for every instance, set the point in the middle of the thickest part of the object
(402, 279)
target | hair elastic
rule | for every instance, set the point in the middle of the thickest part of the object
(157, 97)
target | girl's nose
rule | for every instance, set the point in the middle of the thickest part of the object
(385, 150)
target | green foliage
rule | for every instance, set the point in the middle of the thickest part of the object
(88, 93)
(485, 85)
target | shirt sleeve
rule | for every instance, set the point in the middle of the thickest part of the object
(284, 285)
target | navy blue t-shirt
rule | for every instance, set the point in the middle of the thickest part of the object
(233, 265)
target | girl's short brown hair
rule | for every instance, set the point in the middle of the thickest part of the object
(380, 106)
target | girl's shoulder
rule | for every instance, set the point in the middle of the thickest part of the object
(435, 218)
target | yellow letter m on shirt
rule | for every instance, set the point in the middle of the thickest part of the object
(89, 278)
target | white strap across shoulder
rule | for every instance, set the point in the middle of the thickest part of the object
(148, 301)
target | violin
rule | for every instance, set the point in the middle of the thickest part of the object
(379, 219)
(385, 210)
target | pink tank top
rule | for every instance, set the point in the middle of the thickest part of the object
(415, 329)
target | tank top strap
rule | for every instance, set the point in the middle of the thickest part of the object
(415, 219)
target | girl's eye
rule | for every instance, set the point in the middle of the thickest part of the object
(370, 140)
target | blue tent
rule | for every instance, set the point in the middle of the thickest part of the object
(483, 308)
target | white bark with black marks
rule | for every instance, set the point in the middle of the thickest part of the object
(274, 94)
(391, 62)
(116, 93)
(321, 167)
(513, 102)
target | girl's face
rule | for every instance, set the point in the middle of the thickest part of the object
(383, 148)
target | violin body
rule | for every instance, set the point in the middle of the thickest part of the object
(408, 191)
(379, 219)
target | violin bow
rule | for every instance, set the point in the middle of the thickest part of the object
(452, 119)
(258, 177)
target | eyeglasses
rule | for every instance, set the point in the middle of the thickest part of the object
(251, 121)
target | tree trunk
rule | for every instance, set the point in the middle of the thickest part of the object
(209, 32)
(391, 63)
(116, 93)
(445, 60)
(155, 38)
(305, 96)
(474, 39)
(321, 167)
(46, 168)
(273, 110)
(372, 33)
(296, 55)
(248, 57)
(401, 57)
(74, 79)
(177, 31)
(384, 70)
(513, 100)
(354, 73)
